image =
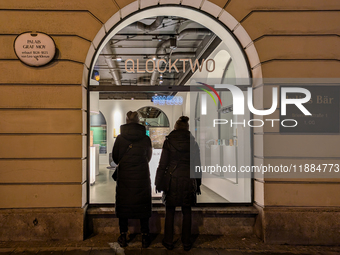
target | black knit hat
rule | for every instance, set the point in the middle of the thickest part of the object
(132, 117)
(182, 123)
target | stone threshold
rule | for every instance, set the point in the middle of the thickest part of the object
(225, 211)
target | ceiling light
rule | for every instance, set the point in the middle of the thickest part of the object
(119, 59)
(154, 58)
(156, 38)
(160, 82)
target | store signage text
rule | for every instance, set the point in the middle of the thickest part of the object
(34, 49)
(162, 65)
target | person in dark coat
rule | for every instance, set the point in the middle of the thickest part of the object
(132, 151)
(180, 155)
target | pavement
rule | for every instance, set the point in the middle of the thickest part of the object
(203, 244)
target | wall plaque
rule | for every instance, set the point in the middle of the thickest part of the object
(34, 49)
(324, 107)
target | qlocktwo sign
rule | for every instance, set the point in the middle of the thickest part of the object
(152, 65)
(34, 49)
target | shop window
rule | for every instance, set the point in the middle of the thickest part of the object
(167, 52)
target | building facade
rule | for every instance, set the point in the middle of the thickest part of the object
(44, 120)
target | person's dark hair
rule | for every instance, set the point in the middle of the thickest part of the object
(182, 123)
(132, 117)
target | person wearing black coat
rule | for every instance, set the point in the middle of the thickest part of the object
(132, 150)
(180, 155)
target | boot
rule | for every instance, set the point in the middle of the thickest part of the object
(122, 240)
(186, 245)
(146, 241)
(168, 246)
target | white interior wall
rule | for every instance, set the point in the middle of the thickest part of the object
(239, 191)
(233, 192)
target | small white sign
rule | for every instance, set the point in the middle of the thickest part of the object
(169, 100)
(34, 49)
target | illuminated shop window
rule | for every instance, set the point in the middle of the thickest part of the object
(172, 52)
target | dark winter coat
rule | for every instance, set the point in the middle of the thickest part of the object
(133, 191)
(178, 148)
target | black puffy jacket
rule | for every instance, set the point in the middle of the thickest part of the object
(133, 191)
(179, 150)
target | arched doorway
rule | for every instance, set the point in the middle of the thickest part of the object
(118, 63)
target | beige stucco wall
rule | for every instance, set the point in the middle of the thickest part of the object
(43, 110)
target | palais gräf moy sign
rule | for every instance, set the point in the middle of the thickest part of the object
(34, 49)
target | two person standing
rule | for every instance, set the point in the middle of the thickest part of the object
(132, 151)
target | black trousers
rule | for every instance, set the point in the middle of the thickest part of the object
(144, 225)
(169, 224)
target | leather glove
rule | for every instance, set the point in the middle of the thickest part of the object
(198, 190)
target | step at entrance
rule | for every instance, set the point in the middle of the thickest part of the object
(234, 221)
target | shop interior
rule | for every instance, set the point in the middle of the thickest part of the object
(160, 100)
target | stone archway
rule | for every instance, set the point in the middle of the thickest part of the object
(241, 47)
(225, 26)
